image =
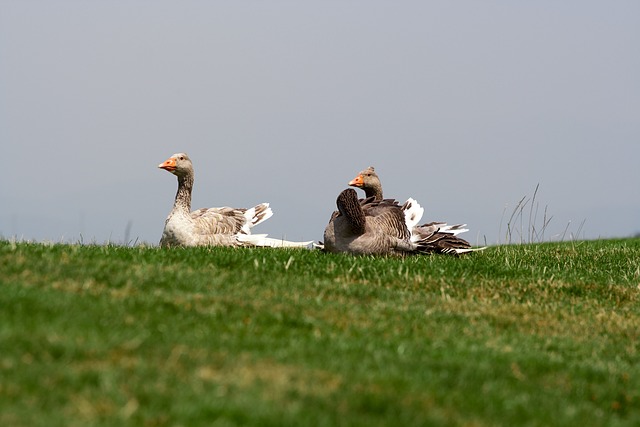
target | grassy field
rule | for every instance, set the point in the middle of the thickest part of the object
(537, 335)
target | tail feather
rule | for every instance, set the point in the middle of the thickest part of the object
(443, 227)
(438, 237)
(454, 229)
(459, 251)
(412, 213)
(255, 216)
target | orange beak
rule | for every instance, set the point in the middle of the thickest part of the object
(358, 181)
(169, 165)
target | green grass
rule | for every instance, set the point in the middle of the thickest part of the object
(538, 335)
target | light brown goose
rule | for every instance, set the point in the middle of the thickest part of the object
(210, 226)
(435, 237)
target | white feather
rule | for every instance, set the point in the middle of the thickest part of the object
(252, 220)
(464, 251)
(264, 241)
(452, 229)
(412, 213)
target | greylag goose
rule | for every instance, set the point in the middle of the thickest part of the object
(435, 237)
(211, 226)
(377, 227)
(367, 227)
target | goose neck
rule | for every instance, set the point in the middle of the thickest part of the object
(183, 196)
(374, 190)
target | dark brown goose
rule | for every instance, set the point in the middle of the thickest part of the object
(211, 226)
(437, 237)
(367, 227)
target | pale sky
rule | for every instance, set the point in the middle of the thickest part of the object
(466, 106)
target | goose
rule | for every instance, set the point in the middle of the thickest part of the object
(438, 237)
(367, 227)
(222, 226)
(378, 227)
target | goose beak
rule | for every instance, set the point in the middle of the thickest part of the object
(358, 181)
(169, 165)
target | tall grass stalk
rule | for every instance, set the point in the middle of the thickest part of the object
(527, 210)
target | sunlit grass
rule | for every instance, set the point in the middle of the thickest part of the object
(543, 334)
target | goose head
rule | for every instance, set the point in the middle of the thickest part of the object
(179, 164)
(368, 181)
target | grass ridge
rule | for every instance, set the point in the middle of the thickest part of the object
(536, 334)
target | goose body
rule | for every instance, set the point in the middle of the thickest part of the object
(367, 227)
(436, 237)
(222, 226)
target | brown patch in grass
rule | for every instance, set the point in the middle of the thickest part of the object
(276, 380)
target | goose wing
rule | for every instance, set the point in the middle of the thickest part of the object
(387, 217)
(226, 220)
